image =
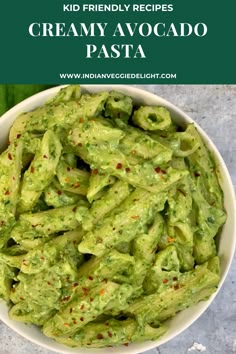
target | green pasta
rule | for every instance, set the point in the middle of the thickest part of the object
(40, 172)
(152, 118)
(72, 179)
(108, 219)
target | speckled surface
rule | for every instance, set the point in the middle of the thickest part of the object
(214, 108)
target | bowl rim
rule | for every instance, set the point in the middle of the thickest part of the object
(147, 95)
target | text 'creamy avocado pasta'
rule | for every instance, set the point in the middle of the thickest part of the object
(108, 218)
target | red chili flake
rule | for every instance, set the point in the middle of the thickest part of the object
(2, 223)
(74, 241)
(170, 239)
(95, 171)
(90, 278)
(165, 281)
(197, 174)
(9, 156)
(68, 169)
(175, 279)
(99, 336)
(176, 287)
(91, 299)
(24, 262)
(8, 143)
(182, 192)
(42, 258)
(67, 278)
(18, 136)
(35, 225)
(49, 283)
(106, 323)
(126, 344)
(59, 192)
(109, 334)
(105, 280)
(133, 152)
(81, 120)
(66, 324)
(66, 298)
(75, 285)
(77, 185)
(7, 193)
(134, 217)
(81, 319)
(32, 169)
(45, 156)
(81, 307)
(79, 144)
(127, 169)
(74, 209)
(163, 172)
(157, 169)
(85, 290)
(13, 290)
(15, 144)
(102, 292)
(119, 166)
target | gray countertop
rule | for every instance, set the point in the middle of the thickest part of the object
(214, 108)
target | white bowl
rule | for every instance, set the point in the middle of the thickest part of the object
(226, 244)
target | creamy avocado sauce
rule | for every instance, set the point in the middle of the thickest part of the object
(108, 219)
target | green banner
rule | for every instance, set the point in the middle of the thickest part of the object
(154, 42)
